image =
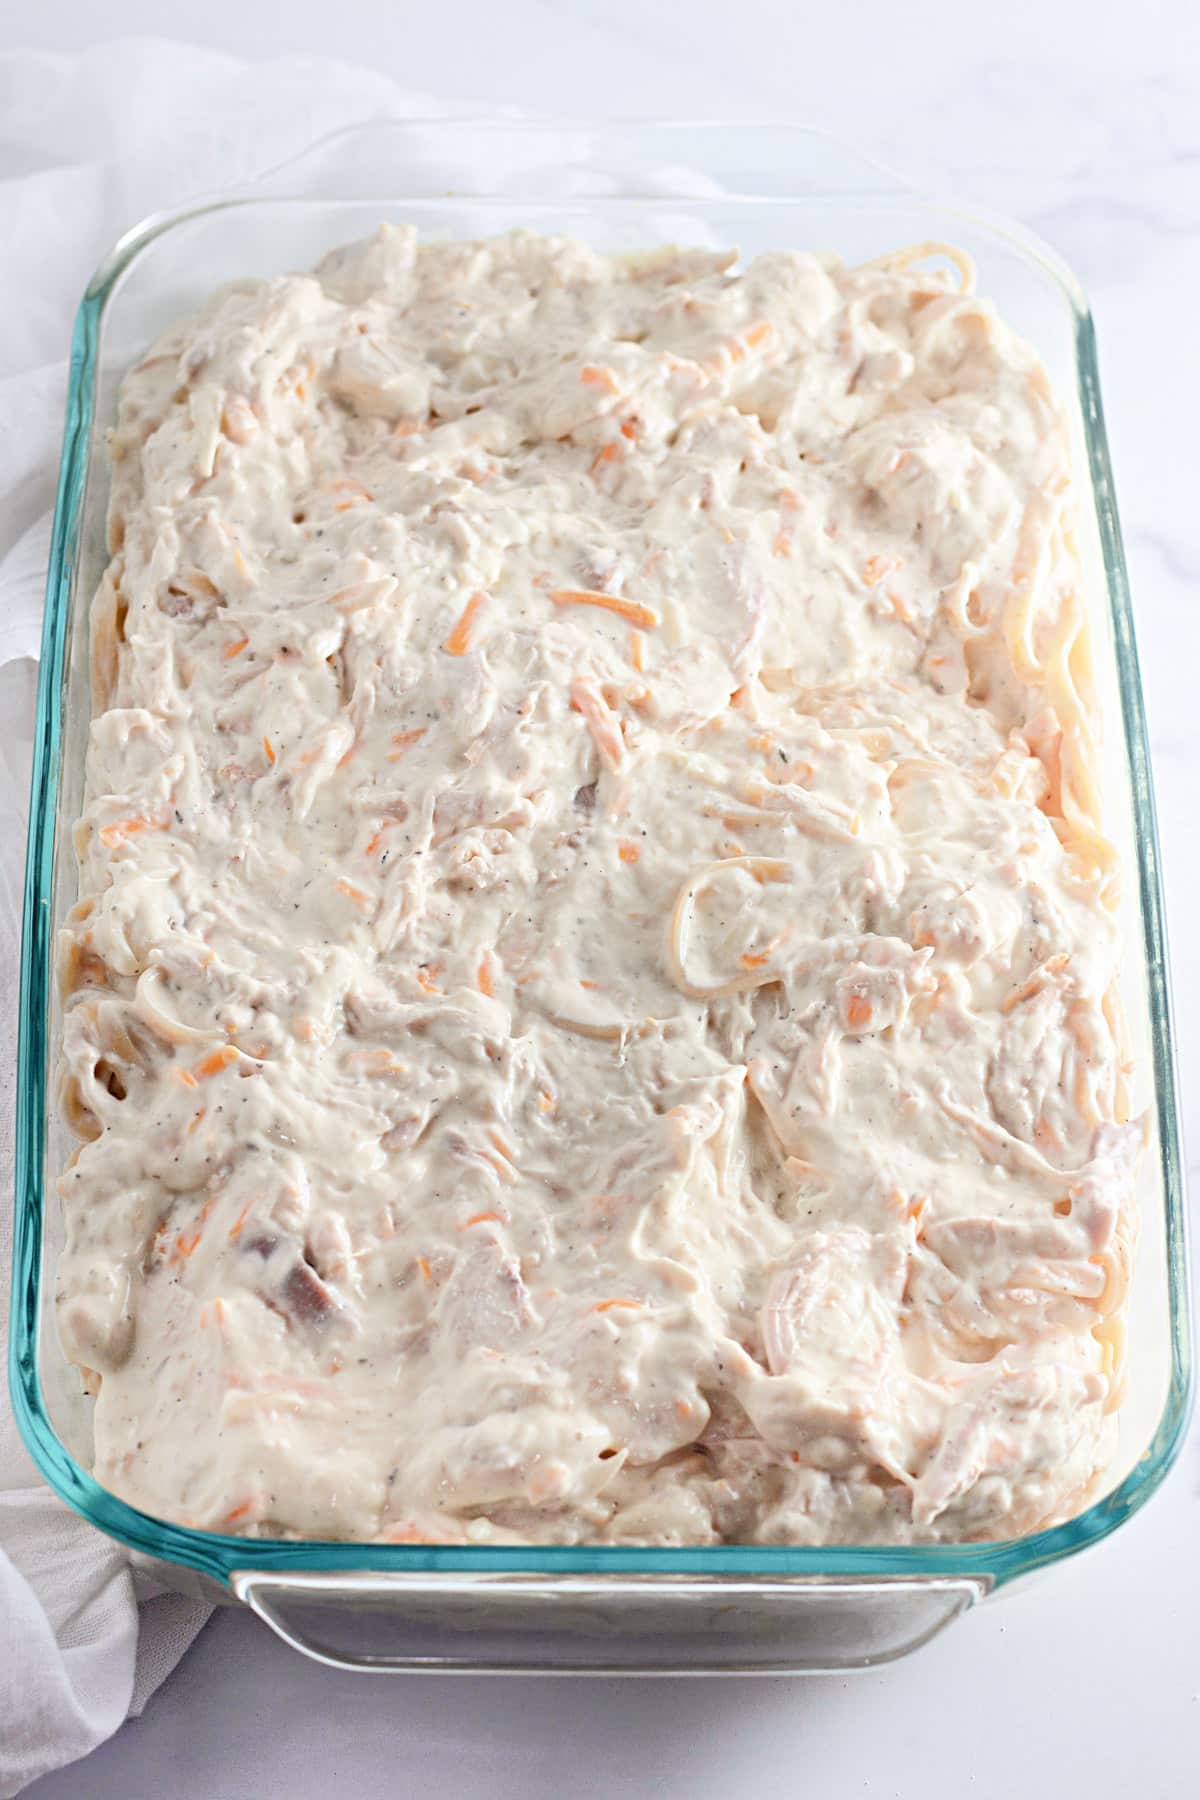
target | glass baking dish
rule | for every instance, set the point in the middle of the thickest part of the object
(751, 1609)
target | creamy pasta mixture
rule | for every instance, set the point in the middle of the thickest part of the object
(591, 1011)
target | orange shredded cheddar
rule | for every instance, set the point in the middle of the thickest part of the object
(484, 976)
(481, 1218)
(591, 376)
(214, 1062)
(459, 641)
(637, 651)
(378, 1058)
(402, 739)
(735, 348)
(602, 721)
(628, 853)
(607, 1305)
(356, 495)
(267, 747)
(235, 1230)
(504, 1169)
(858, 1010)
(425, 975)
(356, 894)
(502, 1144)
(632, 610)
(232, 650)
(876, 568)
(111, 835)
(185, 1244)
(426, 1271)
(607, 455)
(184, 1077)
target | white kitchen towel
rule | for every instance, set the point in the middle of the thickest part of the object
(88, 145)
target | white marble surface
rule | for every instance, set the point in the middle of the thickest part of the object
(1090, 1682)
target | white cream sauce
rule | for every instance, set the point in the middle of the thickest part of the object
(587, 1018)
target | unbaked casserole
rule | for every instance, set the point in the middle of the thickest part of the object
(592, 1000)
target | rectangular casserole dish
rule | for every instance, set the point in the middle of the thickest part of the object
(582, 1609)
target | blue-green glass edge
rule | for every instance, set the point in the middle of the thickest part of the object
(215, 1555)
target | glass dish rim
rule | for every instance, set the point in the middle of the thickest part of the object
(217, 1556)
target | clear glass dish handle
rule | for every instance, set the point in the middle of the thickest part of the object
(513, 1624)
